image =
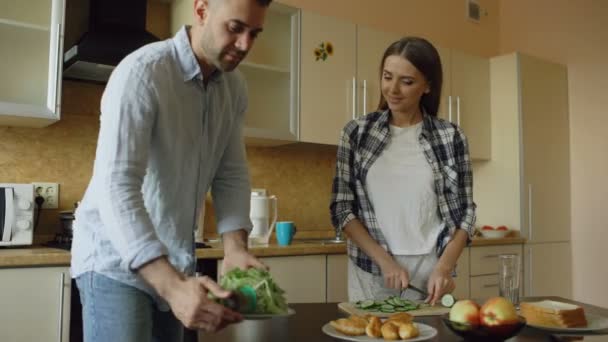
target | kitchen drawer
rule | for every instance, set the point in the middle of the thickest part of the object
(484, 260)
(483, 287)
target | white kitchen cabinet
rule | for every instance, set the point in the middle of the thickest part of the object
(483, 287)
(271, 71)
(484, 268)
(549, 269)
(346, 84)
(371, 45)
(484, 259)
(538, 93)
(31, 36)
(465, 98)
(327, 86)
(337, 278)
(546, 149)
(462, 278)
(302, 277)
(35, 304)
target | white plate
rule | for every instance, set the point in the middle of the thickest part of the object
(594, 322)
(426, 333)
(290, 312)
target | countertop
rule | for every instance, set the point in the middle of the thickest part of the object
(44, 256)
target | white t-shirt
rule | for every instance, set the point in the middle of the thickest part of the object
(401, 187)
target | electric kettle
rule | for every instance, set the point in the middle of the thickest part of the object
(263, 215)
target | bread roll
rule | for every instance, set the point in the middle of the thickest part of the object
(348, 326)
(373, 327)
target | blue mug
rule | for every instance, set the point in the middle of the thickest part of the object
(285, 231)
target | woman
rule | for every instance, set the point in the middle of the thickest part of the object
(403, 190)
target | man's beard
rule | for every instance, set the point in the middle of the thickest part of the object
(229, 59)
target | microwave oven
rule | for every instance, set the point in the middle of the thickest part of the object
(16, 214)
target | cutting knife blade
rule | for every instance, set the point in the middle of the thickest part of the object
(422, 292)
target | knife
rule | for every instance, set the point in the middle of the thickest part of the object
(422, 292)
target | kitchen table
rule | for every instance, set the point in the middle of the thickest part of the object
(305, 326)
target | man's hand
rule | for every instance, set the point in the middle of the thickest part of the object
(187, 296)
(440, 283)
(236, 254)
(190, 304)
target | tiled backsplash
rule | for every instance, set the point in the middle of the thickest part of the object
(299, 175)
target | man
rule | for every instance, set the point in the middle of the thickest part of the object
(171, 123)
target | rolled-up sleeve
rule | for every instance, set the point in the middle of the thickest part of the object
(465, 183)
(128, 115)
(231, 189)
(343, 187)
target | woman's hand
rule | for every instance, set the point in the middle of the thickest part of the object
(440, 283)
(395, 276)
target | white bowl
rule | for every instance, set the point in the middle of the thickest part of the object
(494, 234)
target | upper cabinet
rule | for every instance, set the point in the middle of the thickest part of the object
(465, 98)
(272, 73)
(328, 78)
(31, 36)
(340, 75)
(371, 45)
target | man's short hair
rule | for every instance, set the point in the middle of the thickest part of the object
(264, 3)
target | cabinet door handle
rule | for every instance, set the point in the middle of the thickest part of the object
(489, 285)
(458, 110)
(489, 256)
(61, 297)
(450, 108)
(530, 211)
(364, 97)
(354, 98)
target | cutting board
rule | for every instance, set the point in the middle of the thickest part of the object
(436, 310)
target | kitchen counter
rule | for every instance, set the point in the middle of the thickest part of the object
(44, 256)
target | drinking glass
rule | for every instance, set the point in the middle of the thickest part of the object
(509, 277)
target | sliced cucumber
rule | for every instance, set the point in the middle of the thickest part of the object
(367, 304)
(448, 300)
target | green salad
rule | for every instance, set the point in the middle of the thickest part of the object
(270, 297)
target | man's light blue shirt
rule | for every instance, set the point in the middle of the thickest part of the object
(165, 139)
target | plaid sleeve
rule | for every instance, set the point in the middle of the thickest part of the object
(465, 182)
(343, 187)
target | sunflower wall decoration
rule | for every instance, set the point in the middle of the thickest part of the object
(324, 50)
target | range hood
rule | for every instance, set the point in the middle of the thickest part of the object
(109, 31)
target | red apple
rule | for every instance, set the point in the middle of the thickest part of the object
(487, 228)
(465, 311)
(502, 228)
(498, 311)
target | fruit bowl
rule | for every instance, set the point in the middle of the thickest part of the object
(473, 332)
(494, 233)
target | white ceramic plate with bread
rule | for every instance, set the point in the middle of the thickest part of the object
(427, 332)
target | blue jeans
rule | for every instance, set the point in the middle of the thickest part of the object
(113, 311)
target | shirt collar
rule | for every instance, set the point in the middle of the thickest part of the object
(187, 59)
(427, 122)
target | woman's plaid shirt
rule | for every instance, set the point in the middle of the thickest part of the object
(446, 149)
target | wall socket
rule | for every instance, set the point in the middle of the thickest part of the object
(50, 192)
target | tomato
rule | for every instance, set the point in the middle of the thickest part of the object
(487, 228)
(502, 228)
